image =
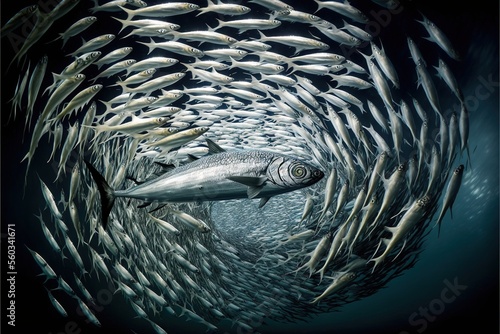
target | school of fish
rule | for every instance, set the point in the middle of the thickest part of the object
(169, 121)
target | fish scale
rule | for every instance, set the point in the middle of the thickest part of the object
(188, 238)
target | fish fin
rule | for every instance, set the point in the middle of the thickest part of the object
(401, 251)
(253, 192)
(143, 205)
(192, 158)
(157, 208)
(166, 167)
(251, 181)
(131, 178)
(392, 229)
(213, 148)
(263, 201)
(385, 241)
(106, 192)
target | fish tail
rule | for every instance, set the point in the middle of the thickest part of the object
(130, 13)
(439, 220)
(123, 22)
(150, 45)
(106, 192)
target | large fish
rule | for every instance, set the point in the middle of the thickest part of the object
(219, 176)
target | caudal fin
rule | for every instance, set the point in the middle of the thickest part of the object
(106, 192)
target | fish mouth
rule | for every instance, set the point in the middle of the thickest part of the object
(317, 175)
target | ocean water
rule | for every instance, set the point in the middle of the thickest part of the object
(464, 256)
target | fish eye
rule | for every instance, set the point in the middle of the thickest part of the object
(317, 173)
(298, 171)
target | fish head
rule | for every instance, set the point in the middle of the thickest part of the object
(287, 172)
(458, 170)
(92, 56)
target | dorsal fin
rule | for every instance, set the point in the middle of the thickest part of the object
(133, 179)
(213, 148)
(166, 167)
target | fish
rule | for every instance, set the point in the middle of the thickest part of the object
(437, 36)
(42, 25)
(19, 18)
(392, 186)
(298, 42)
(223, 8)
(412, 216)
(425, 80)
(385, 64)
(316, 255)
(114, 5)
(77, 28)
(161, 10)
(258, 179)
(94, 44)
(450, 194)
(48, 235)
(114, 56)
(88, 313)
(35, 83)
(343, 8)
(244, 25)
(79, 101)
(337, 284)
(446, 74)
(57, 305)
(42, 263)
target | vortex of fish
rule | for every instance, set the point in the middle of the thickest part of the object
(140, 99)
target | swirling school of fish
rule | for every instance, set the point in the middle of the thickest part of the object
(166, 94)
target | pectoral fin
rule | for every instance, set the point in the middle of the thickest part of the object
(253, 192)
(251, 181)
(254, 183)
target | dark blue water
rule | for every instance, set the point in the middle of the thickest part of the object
(453, 286)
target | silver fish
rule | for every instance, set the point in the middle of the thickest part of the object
(450, 194)
(231, 176)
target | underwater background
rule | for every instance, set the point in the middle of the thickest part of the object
(466, 251)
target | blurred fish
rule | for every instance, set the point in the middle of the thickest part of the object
(450, 194)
